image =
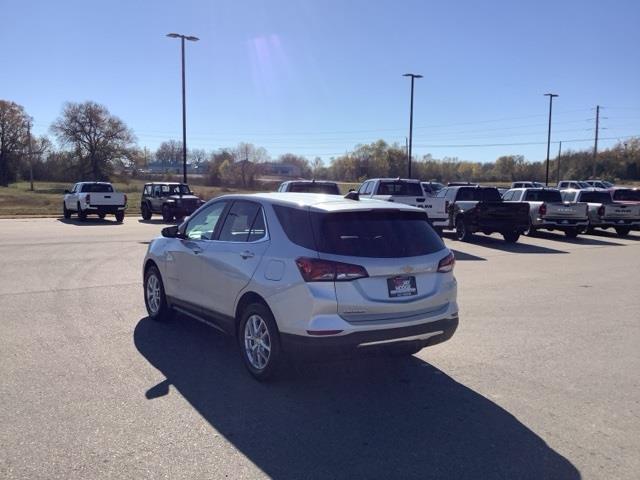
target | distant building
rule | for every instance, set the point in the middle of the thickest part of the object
(281, 169)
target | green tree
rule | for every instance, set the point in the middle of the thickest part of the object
(13, 139)
(98, 139)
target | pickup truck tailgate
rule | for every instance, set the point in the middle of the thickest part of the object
(106, 199)
(623, 211)
(568, 211)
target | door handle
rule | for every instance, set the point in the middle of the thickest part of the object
(247, 254)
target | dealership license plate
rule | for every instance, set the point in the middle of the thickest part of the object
(402, 286)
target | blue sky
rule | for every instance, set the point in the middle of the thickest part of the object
(318, 77)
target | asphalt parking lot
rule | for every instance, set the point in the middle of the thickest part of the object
(542, 379)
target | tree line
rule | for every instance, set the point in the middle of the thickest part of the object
(91, 143)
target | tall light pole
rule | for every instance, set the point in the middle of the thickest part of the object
(413, 76)
(184, 106)
(551, 96)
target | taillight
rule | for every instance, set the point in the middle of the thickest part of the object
(446, 206)
(318, 270)
(601, 211)
(88, 199)
(447, 263)
(542, 211)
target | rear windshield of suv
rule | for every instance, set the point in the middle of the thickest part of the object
(97, 188)
(400, 189)
(479, 194)
(595, 197)
(328, 188)
(543, 196)
(371, 233)
(627, 195)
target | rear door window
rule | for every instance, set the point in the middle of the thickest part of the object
(627, 195)
(543, 196)
(400, 189)
(595, 197)
(97, 188)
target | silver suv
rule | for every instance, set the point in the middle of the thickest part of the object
(310, 274)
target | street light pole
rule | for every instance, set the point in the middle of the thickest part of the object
(184, 102)
(413, 76)
(551, 96)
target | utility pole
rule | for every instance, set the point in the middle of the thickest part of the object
(558, 166)
(30, 154)
(595, 145)
(550, 95)
(406, 147)
(413, 76)
(184, 103)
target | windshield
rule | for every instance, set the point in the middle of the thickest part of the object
(543, 196)
(595, 197)
(180, 189)
(479, 194)
(315, 187)
(97, 188)
(627, 194)
(400, 189)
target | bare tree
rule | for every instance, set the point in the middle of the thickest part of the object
(98, 138)
(169, 154)
(13, 138)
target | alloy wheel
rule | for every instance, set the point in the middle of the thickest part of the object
(257, 342)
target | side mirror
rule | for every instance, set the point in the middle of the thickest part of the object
(172, 232)
(67, 192)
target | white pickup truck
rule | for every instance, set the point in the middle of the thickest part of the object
(409, 192)
(98, 198)
(547, 210)
(604, 212)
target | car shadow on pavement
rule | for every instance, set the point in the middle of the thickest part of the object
(463, 256)
(579, 240)
(634, 235)
(518, 247)
(364, 418)
(90, 221)
(155, 221)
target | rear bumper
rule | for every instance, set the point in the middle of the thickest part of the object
(183, 211)
(423, 335)
(561, 223)
(105, 209)
(617, 222)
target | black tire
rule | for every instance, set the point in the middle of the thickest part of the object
(274, 355)
(102, 215)
(511, 237)
(146, 212)
(160, 311)
(622, 231)
(66, 213)
(82, 216)
(120, 216)
(462, 230)
(571, 232)
(167, 216)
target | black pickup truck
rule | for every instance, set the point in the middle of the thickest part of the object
(474, 209)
